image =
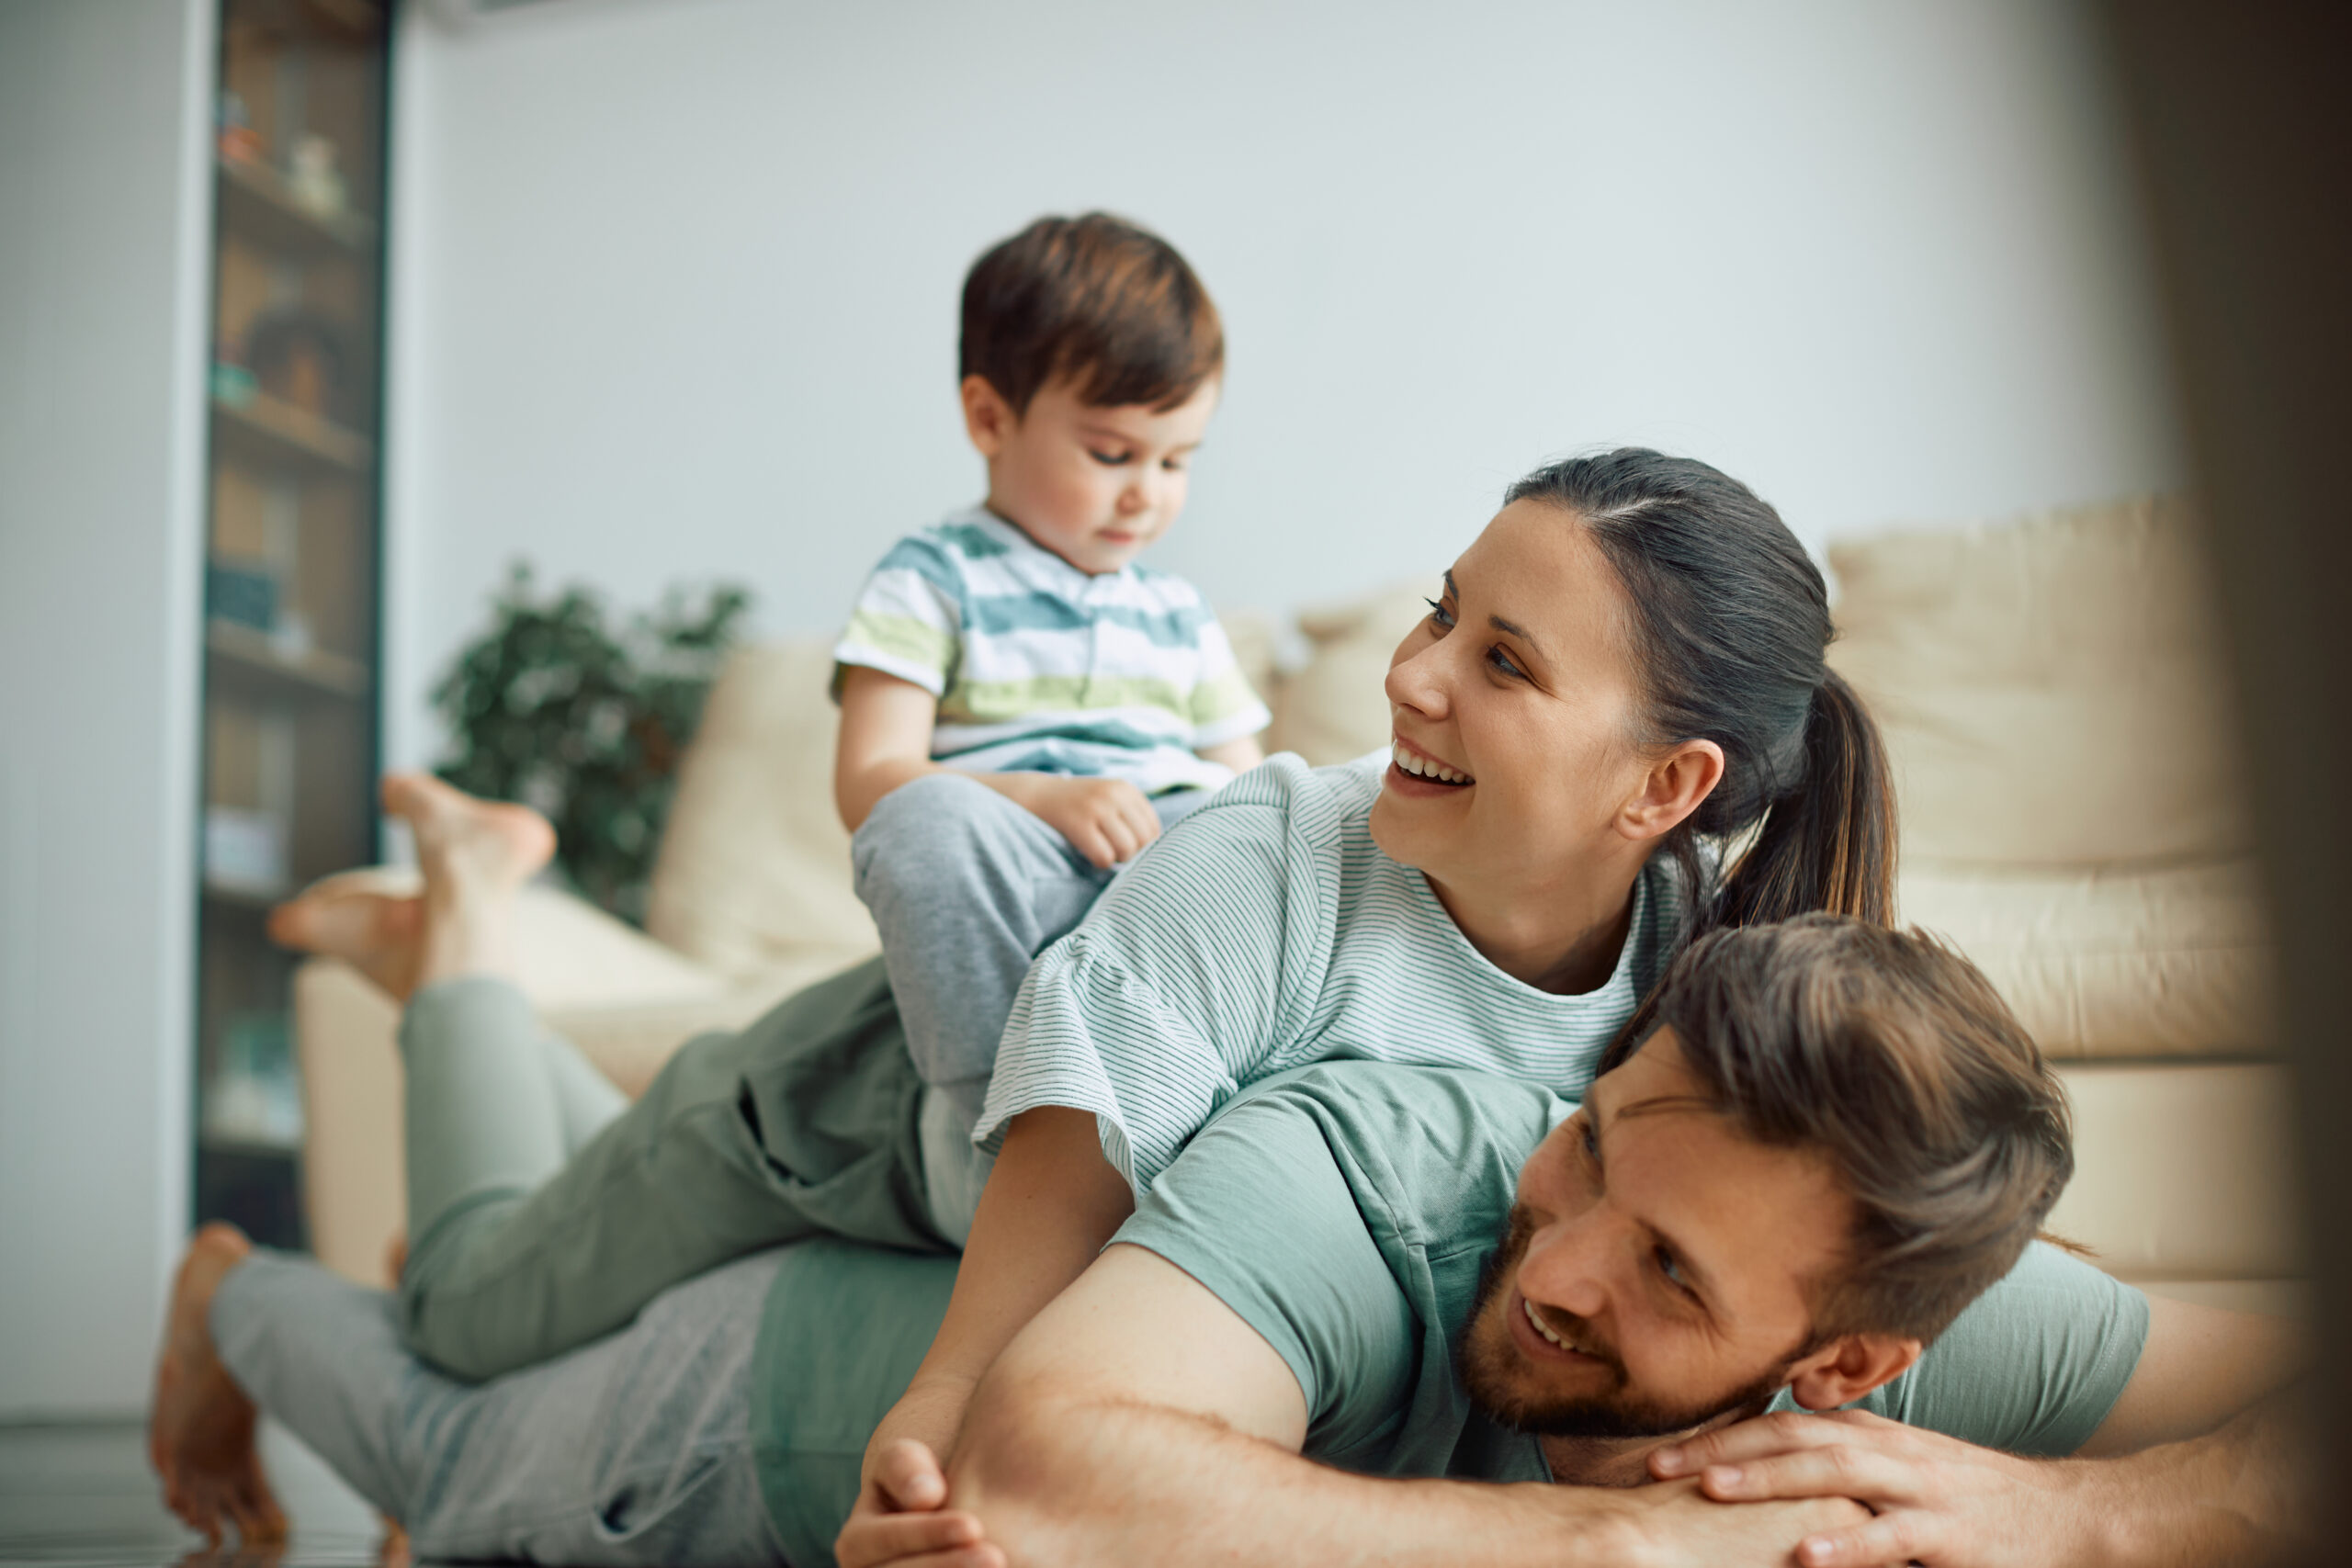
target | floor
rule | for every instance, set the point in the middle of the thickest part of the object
(82, 1494)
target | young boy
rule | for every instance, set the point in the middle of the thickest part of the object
(1023, 709)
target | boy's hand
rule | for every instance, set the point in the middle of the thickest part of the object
(1107, 820)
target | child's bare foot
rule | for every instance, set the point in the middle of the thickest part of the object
(476, 855)
(371, 919)
(200, 1432)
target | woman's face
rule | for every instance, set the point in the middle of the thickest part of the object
(1515, 708)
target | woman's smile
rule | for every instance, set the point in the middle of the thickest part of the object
(1415, 774)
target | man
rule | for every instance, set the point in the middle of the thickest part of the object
(1835, 1138)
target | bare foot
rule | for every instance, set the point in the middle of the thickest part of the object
(490, 843)
(372, 920)
(476, 856)
(200, 1433)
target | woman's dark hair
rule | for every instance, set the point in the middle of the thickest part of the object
(1730, 620)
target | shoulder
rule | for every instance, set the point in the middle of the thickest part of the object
(2033, 1365)
(1322, 801)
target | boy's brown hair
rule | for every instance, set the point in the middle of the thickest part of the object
(1095, 299)
(1892, 1056)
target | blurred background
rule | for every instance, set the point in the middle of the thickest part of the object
(321, 315)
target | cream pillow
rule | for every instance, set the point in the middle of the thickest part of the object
(2051, 690)
(1335, 709)
(754, 871)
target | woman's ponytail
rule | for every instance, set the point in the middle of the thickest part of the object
(1829, 843)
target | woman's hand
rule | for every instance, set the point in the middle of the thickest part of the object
(901, 1516)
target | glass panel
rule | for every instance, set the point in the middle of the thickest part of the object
(291, 594)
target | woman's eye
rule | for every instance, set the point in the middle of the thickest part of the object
(1438, 613)
(1501, 661)
(1590, 1140)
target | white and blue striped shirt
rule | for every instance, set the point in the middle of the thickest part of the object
(1042, 668)
(1267, 930)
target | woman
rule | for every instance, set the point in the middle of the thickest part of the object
(1624, 669)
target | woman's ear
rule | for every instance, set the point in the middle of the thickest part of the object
(1672, 789)
(988, 418)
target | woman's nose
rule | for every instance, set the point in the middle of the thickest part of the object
(1416, 680)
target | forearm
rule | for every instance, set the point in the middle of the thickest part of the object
(2239, 1494)
(856, 791)
(1086, 1483)
(1050, 1205)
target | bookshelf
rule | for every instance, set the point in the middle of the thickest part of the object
(292, 592)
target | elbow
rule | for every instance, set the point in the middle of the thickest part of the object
(1022, 1467)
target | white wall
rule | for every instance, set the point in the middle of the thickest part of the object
(677, 281)
(103, 203)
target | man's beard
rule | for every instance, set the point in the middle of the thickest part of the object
(1487, 1360)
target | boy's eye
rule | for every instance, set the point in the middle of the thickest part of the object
(1108, 459)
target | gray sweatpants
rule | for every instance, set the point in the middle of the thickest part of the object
(843, 1110)
(636, 1449)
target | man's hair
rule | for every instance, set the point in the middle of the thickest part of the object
(1889, 1055)
(1095, 299)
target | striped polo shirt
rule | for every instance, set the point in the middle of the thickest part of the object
(1042, 668)
(1267, 930)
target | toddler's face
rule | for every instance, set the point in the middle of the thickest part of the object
(1093, 485)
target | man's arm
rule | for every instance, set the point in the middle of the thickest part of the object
(1139, 1419)
(2197, 1462)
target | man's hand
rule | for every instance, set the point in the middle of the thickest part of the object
(902, 1520)
(1107, 820)
(1935, 1499)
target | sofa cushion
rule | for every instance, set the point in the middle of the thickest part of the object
(2181, 1172)
(2112, 962)
(1335, 707)
(753, 872)
(2052, 689)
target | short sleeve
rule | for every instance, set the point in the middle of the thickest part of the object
(1170, 994)
(1222, 706)
(2032, 1366)
(909, 620)
(1258, 1209)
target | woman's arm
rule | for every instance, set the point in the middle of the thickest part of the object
(886, 741)
(1050, 1205)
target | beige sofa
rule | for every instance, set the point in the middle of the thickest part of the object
(2049, 687)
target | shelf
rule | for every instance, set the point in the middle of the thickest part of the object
(257, 202)
(269, 431)
(250, 1148)
(360, 19)
(241, 652)
(249, 901)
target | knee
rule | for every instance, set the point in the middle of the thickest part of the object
(925, 827)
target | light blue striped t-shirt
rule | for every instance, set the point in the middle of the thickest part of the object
(1041, 667)
(1267, 930)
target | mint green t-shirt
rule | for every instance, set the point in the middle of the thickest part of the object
(1395, 1185)
(1344, 1210)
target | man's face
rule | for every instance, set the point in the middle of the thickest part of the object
(1655, 1269)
